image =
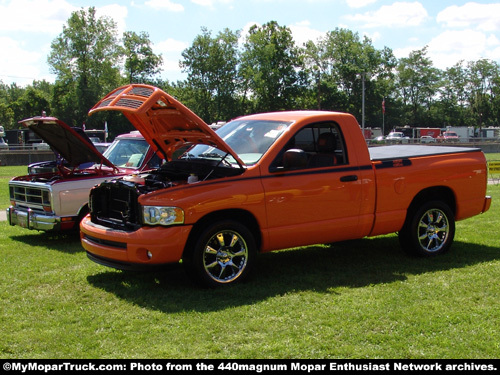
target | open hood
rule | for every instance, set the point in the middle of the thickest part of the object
(75, 148)
(164, 122)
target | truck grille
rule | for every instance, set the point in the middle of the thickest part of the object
(114, 204)
(29, 195)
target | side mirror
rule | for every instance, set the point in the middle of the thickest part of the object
(294, 159)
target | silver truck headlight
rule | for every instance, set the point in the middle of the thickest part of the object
(159, 215)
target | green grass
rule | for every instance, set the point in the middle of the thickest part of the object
(6, 173)
(359, 299)
(492, 156)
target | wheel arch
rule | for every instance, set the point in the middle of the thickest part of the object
(441, 193)
(242, 216)
(83, 211)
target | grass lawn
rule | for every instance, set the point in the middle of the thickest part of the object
(359, 299)
(6, 173)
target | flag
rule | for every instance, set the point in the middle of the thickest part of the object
(383, 106)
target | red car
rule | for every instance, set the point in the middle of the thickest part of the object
(57, 199)
(448, 137)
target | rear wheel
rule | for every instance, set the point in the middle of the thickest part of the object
(223, 254)
(429, 230)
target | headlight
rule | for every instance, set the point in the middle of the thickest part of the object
(158, 215)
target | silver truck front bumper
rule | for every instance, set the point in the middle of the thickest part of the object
(31, 219)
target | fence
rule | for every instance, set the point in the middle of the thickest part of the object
(494, 171)
(25, 157)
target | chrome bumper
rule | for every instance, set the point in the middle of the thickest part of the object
(31, 219)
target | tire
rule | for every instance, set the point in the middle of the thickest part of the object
(429, 230)
(223, 254)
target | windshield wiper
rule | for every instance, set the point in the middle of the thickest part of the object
(212, 155)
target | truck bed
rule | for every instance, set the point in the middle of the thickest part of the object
(382, 153)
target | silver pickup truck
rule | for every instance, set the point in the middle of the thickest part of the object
(57, 201)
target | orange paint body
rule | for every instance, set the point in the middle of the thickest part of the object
(362, 195)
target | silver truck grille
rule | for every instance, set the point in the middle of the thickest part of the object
(29, 195)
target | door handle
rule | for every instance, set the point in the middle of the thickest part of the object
(349, 178)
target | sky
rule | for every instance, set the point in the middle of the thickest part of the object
(452, 30)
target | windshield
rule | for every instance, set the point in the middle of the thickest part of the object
(127, 153)
(250, 139)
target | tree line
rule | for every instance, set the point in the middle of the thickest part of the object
(267, 71)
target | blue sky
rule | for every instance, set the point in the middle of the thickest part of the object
(452, 30)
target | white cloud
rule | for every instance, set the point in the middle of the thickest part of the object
(451, 46)
(204, 3)
(171, 51)
(23, 62)
(165, 5)
(302, 33)
(399, 14)
(373, 36)
(210, 3)
(41, 16)
(359, 3)
(117, 12)
(20, 65)
(481, 16)
(170, 45)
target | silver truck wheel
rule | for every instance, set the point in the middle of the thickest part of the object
(222, 255)
(429, 230)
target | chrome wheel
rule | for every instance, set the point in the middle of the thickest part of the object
(225, 256)
(428, 230)
(433, 229)
(223, 253)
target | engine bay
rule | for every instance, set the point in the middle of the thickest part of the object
(180, 172)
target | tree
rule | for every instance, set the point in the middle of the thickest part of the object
(482, 88)
(452, 105)
(85, 59)
(271, 68)
(32, 103)
(418, 84)
(212, 67)
(339, 62)
(9, 94)
(141, 64)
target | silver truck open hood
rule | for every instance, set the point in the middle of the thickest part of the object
(164, 122)
(64, 140)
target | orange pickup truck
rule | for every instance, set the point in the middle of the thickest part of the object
(270, 181)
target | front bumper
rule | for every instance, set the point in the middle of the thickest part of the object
(147, 246)
(31, 219)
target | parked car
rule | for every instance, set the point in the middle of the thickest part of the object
(377, 140)
(3, 144)
(397, 137)
(271, 181)
(427, 139)
(102, 146)
(57, 200)
(448, 137)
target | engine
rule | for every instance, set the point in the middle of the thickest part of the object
(114, 203)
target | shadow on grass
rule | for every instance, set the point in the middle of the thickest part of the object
(321, 269)
(68, 243)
